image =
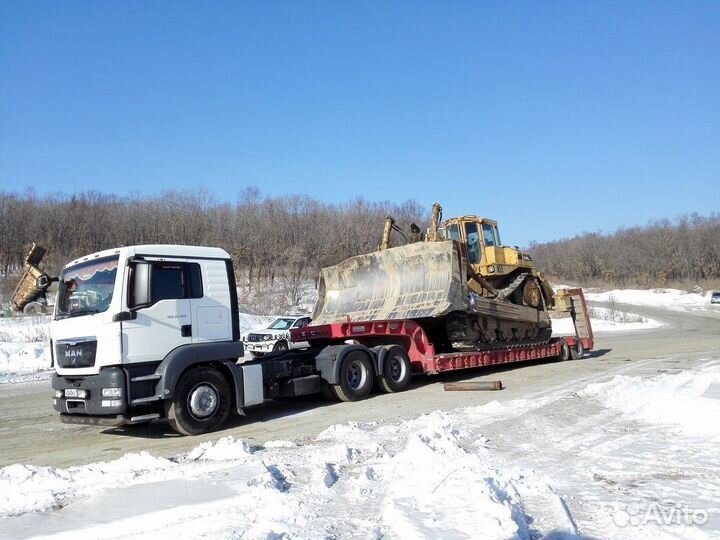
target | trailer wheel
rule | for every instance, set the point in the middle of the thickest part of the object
(578, 351)
(356, 377)
(565, 353)
(396, 370)
(200, 403)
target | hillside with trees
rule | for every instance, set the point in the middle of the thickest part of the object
(287, 239)
(284, 238)
(685, 251)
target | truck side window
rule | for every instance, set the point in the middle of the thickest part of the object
(454, 232)
(167, 282)
(171, 281)
(196, 288)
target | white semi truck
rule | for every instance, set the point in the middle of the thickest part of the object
(151, 331)
(142, 332)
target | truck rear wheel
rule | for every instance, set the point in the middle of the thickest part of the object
(395, 374)
(356, 377)
(201, 402)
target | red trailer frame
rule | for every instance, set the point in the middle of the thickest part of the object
(421, 351)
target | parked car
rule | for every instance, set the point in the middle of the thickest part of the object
(715, 298)
(276, 336)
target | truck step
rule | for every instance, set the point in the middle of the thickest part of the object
(140, 401)
(151, 377)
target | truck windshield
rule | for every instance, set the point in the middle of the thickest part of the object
(86, 288)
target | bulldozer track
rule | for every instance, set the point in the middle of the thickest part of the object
(507, 291)
(494, 345)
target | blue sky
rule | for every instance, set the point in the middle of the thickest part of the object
(553, 117)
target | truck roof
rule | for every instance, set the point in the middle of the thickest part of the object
(158, 250)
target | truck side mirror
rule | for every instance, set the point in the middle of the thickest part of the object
(139, 294)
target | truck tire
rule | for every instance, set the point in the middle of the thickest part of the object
(356, 377)
(33, 308)
(396, 370)
(201, 402)
(327, 391)
(578, 351)
(281, 345)
(565, 353)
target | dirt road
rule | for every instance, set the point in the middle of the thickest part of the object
(31, 433)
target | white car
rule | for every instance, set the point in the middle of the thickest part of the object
(276, 336)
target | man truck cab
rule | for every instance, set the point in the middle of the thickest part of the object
(128, 325)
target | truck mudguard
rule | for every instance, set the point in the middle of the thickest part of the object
(328, 361)
(181, 358)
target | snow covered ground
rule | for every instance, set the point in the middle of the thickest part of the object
(630, 457)
(663, 298)
(607, 320)
(24, 349)
(633, 455)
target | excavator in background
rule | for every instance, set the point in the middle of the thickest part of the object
(468, 290)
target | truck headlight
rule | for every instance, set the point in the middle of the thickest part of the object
(111, 392)
(58, 394)
(491, 268)
(111, 403)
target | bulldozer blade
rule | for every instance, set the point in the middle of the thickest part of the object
(424, 279)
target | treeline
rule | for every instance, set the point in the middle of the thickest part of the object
(661, 253)
(287, 237)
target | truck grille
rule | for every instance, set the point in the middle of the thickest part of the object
(76, 353)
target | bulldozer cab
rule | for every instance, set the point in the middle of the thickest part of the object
(486, 254)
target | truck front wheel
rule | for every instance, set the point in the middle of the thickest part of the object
(201, 402)
(356, 377)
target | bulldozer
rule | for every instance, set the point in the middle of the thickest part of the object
(457, 280)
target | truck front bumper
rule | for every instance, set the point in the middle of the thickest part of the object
(102, 396)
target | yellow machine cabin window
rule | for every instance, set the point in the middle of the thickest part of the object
(473, 243)
(490, 235)
(454, 232)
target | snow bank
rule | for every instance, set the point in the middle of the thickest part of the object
(24, 349)
(687, 402)
(426, 478)
(663, 298)
(558, 464)
(608, 320)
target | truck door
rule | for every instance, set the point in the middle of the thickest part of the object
(165, 322)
